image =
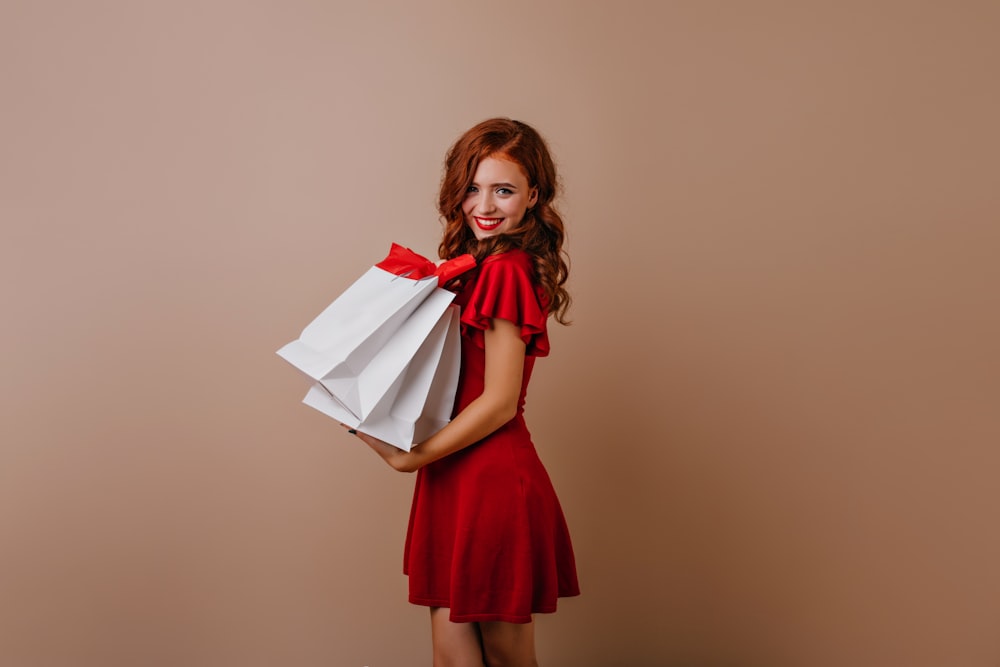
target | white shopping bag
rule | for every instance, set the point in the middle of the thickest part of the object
(419, 402)
(384, 355)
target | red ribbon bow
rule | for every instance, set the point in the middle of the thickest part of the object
(404, 262)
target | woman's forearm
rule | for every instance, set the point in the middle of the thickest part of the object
(496, 406)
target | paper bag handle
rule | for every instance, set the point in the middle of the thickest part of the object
(404, 262)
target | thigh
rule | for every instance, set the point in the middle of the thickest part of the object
(509, 644)
(455, 644)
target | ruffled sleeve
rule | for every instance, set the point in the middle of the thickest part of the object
(504, 289)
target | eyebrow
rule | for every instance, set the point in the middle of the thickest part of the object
(510, 186)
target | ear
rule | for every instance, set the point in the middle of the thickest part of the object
(533, 197)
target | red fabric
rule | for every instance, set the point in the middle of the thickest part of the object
(402, 261)
(505, 289)
(487, 537)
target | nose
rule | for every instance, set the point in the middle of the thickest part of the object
(486, 202)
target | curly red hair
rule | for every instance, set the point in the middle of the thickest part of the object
(541, 232)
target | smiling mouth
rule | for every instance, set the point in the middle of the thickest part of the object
(488, 224)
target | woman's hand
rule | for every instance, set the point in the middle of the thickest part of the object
(394, 456)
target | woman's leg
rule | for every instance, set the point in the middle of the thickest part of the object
(455, 644)
(509, 644)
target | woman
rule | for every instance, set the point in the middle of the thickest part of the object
(487, 544)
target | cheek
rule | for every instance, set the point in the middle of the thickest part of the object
(516, 209)
(467, 208)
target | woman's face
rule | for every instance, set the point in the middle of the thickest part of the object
(496, 201)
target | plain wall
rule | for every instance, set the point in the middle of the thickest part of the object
(773, 426)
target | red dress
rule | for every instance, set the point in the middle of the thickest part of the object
(487, 537)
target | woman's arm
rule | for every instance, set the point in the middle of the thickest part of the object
(496, 406)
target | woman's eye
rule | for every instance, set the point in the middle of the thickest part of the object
(472, 189)
(504, 191)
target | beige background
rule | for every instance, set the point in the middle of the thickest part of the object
(773, 425)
